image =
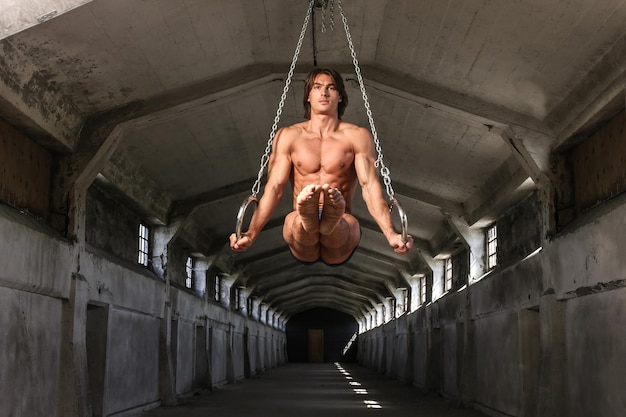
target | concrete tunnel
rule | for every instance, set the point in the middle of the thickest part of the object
(131, 131)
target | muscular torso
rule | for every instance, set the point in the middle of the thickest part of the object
(323, 160)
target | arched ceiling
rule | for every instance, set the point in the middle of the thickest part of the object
(171, 104)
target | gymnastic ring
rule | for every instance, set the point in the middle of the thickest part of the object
(403, 221)
(242, 213)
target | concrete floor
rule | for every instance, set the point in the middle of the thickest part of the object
(302, 390)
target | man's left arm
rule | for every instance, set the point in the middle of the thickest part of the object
(372, 190)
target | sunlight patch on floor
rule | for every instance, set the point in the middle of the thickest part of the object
(371, 404)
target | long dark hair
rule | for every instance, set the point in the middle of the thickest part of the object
(337, 80)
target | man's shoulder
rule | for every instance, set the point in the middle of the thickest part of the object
(292, 130)
(354, 131)
(288, 134)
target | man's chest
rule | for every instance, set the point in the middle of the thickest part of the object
(328, 156)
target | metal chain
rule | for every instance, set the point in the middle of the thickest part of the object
(384, 171)
(268, 149)
(379, 163)
(325, 5)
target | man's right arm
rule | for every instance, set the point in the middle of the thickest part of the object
(279, 171)
(373, 192)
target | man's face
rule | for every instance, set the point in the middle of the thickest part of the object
(324, 96)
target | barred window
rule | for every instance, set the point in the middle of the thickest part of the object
(492, 247)
(423, 292)
(405, 304)
(250, 304)
(447, 284)
(189, 269)
(217, 295)
(144, 245)
(237, 297)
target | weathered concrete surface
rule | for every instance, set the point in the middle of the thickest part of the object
(32, 256)
(29, 353)
(540, 337)
(92, 340)
(19, 15)
(313, 390)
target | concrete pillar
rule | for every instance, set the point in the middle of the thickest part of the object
(200, 276)
(73, 395)
(388, 305)
(74, 383)
(414, 300)
(162, 236)
(227, 283)
(474, 241)
(403, 301)
(553, 370)
(263, 308)
(380, 314)
(437, 266)
(167, 377)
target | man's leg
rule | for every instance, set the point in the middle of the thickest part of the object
(333, 209)
(337, 247)
(301, 228)
(339, 232)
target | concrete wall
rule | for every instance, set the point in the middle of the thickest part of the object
(541, 336)
(87, 332)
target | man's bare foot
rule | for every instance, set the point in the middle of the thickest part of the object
(308, 206)
(333, 209)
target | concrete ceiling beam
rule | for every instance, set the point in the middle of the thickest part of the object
(124, 179)
(31, 103)
(334, 280)
(451, 104)
(498, 193)
(331, 300)
(596, 98)
(319, 290)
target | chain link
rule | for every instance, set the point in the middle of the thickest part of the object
(325, 5)
(384, 171)
(268, 149)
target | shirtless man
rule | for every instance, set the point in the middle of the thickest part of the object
(324, 157)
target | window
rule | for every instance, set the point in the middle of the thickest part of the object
(218, 288)
(237, 297)
(189, 268)
(404, 307)
(422, 290)
(447, 283)
(144, 244)
(250, 306)
(492, 247)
